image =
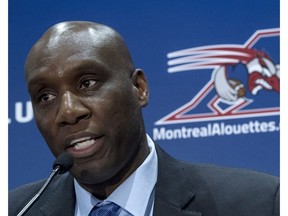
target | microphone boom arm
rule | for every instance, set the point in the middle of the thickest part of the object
(36, 196)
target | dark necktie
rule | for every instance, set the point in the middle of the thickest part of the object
(104, 209)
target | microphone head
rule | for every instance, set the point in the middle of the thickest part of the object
(64, 162)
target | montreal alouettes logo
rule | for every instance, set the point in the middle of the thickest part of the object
(231, 97)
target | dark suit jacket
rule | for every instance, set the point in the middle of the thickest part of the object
(182, 189)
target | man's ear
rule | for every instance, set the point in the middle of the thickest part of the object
(141, 86)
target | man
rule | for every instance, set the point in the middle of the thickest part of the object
(87, 99)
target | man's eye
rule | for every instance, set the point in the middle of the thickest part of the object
(45, 97)
(87, 84)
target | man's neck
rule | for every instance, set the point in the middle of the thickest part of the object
(104, 189)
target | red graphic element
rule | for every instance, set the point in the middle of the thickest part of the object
(269, 82)
(262, 74)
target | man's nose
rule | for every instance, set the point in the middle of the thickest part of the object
(71, 109)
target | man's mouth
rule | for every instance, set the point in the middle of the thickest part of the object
(85, 145)
(82, 143)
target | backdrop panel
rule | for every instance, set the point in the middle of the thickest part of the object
(213, 71)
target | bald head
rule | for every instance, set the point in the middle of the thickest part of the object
(80, 37)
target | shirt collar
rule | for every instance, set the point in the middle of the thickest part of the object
(133, 194)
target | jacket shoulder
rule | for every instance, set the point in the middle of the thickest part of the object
(24, 193)
(215, 190)
(19, 197)
(236, 190)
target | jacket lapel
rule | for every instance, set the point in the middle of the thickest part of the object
(61, 198)
(173, 189)
(162, 208)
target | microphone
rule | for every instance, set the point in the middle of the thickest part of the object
(62, 164)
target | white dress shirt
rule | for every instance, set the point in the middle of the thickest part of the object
(135, 195)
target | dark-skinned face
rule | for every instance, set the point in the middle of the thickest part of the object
(86, 101)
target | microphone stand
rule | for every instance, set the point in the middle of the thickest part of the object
(36, 196)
